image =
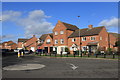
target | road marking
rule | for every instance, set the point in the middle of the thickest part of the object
(73, 66)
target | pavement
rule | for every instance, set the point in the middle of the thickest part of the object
(60, 67)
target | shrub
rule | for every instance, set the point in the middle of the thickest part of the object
(109, 51)
(84, 52)
(66, 49)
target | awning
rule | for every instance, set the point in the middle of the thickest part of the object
(92, 44)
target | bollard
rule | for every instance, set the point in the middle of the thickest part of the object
(81, 54)
(88, 55)
(74, 54)
(96, 55)
(113, 55)
(67, 54)
(40, 54)
(55, 54)
(18, 54)
(22, 54)
(104, 55)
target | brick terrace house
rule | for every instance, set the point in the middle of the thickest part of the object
(8, 45)
(113, 37)
(68, 35)
(29, 44)
(46, 42)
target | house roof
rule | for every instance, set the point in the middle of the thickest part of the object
(115, 34)
(43, 37)
(70, 26)
(40, 44)
(22, 40)
(11, 44)
(86, 32)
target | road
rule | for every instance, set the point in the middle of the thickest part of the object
(61, 67)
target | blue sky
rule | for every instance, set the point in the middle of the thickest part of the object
(95, 13)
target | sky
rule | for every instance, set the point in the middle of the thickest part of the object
(24, 19)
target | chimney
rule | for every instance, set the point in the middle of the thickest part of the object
(90, 26)
(59, 21)
(33, 35)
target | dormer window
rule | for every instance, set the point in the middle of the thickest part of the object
(83, 38)
(56, 33)
(61, 32)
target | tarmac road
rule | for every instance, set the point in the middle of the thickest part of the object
(61, 67)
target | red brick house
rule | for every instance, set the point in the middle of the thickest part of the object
(46, 42)
(29, 44)
(89, 39)
(113, 37)
(8, 45)
(68, 35)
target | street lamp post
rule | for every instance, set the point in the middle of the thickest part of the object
(79, 39)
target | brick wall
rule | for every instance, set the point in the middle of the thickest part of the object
(31, 43)
(60, 27)
(104, 35)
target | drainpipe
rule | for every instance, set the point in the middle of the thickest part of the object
(108, 40)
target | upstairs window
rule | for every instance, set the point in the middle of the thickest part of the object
(73, 40)
(83, 38)
(56, 33)
(62, 41)
(61, 32)
(100, 38)
(48, 40)
(92, 38)
(56, 41)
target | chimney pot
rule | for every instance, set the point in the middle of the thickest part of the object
(33, 35)
(90, 26)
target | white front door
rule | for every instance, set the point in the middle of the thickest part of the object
(33, 49)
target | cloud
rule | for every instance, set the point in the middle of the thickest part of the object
(10, 15)
(109, 23)
(34, 23)
(4, 37)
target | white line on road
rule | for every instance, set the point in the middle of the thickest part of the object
(73, 66)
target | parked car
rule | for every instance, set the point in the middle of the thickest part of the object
(16, 50)
(5, 50)
(26, 51)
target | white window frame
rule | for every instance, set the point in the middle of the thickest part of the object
(91, 38)
(61, 32)
(56, 33)
(84, 47)
(100, 38)
(84, 39)
(56, 41)
(73, 39)
(48, 40)
(62, 41)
